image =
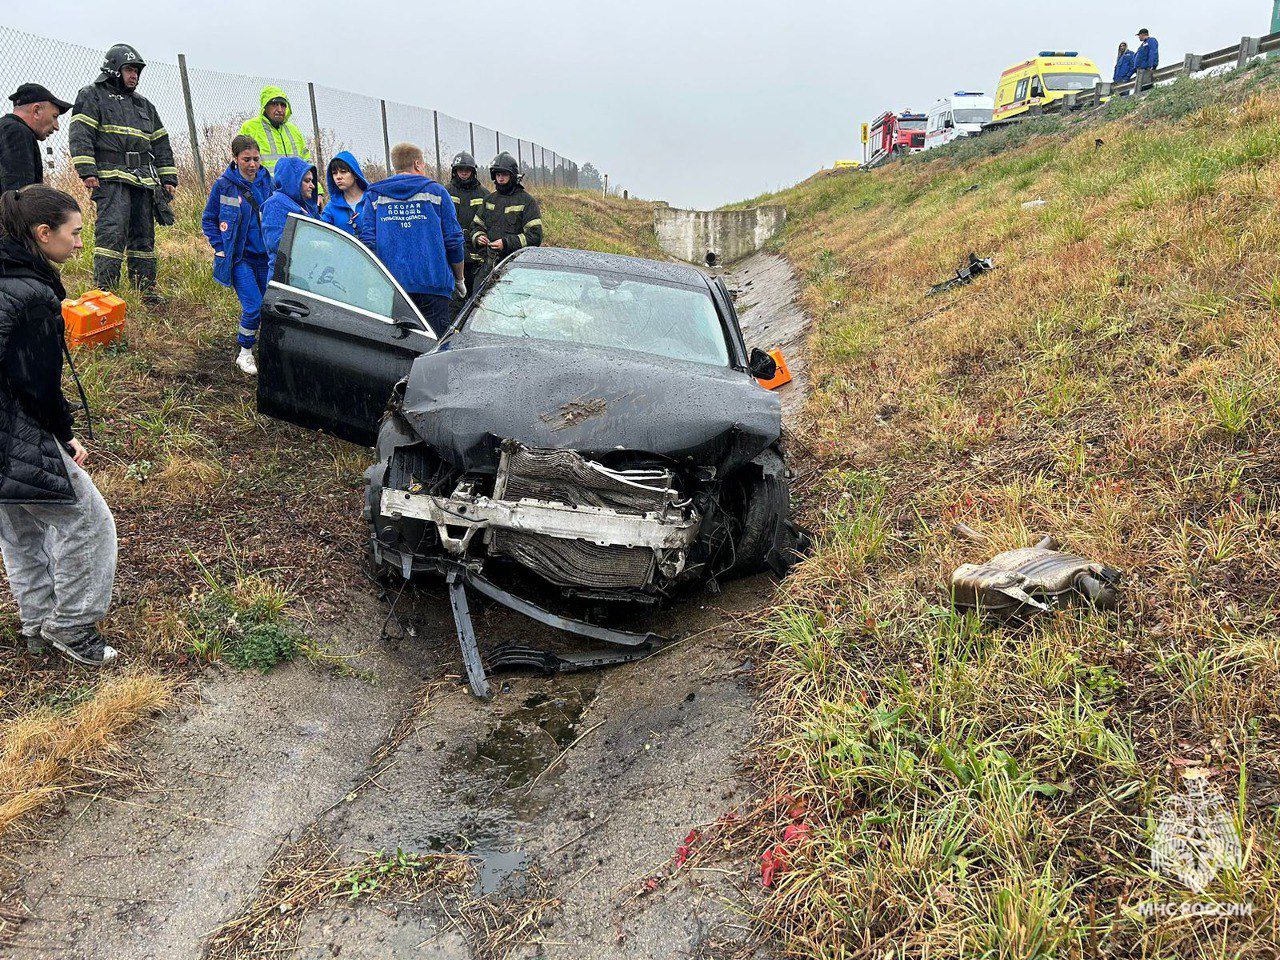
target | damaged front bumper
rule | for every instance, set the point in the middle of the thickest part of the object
(572, 521)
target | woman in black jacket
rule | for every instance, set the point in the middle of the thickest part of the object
(56, 532)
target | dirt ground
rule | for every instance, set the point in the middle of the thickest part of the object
(569, 792)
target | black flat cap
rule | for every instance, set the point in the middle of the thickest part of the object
(35, 93)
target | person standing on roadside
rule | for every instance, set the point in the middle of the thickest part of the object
(468, 201)
(35, 116)
(121, 151)
(1126, 65)
(277, 135)
(1147, 61)
(294, 192)
(510, 218)
(232, 223)
(346, 192)
(56, 532)
(408, 221)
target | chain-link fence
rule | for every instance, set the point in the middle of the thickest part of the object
(202, 114)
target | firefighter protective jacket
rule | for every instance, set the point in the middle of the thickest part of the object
(116, 135)
(513, 218)
(468, 201)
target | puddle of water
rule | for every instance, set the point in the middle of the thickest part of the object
(493, 776)
(524, 742)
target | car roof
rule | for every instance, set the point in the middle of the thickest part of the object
(611, 263)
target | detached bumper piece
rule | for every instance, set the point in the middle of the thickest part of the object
(635, 646)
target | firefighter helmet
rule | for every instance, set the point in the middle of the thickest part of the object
(120, 56)
(504, 163)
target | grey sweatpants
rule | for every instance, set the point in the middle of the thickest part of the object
(60, 559)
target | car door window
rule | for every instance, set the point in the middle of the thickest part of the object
(1021, 92)
(330, 264)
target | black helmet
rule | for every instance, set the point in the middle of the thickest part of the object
(504, 163)
(120, 56)
(464, 159)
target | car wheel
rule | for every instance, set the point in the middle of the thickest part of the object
(763, 502)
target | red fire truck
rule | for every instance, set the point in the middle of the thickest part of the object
(896, 133)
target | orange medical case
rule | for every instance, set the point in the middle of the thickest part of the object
(96, 319)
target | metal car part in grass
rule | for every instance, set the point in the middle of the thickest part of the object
(589, 435)
(1030, 580)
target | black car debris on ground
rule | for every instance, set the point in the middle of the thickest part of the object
(589, 435)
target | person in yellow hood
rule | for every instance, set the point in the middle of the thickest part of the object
(276, 134)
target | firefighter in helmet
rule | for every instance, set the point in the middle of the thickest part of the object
(121, 151)
(468, 200)
(510, 218)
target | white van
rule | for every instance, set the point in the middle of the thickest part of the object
(962, 114)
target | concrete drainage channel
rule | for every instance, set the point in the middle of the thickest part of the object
(715, 237)
(567, 793)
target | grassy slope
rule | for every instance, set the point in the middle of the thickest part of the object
(979, 791)
(208, 497)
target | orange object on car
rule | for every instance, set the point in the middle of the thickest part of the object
(783, 375)
(96, 319)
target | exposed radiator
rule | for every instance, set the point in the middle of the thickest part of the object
(563, 476)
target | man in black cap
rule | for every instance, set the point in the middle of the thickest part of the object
(121, 151)
(35, 116)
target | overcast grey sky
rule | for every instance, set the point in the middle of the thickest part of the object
(698, 103)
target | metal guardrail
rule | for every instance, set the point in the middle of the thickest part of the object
(1240, 54)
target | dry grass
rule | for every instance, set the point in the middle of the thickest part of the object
(311, 875)
(46, 751)
(201, 487)
(979, 791)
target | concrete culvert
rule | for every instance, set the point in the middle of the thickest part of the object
(729, 235)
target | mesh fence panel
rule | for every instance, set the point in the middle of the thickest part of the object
(221, 102)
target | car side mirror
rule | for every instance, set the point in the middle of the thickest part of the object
(948, 125)
(404, 327)
(761, 366)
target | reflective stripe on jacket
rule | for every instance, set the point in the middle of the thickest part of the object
(226, 218)
(513, 218)
(117, 135)
(275, 142)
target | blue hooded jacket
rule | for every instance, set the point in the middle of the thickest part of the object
(408, 220)
(230, 222)
(1148, 54)
(287, 199)
(337, 211)
(1126, 67)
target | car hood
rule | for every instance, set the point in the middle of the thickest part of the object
(476, 390)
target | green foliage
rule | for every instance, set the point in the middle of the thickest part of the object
(247, 628)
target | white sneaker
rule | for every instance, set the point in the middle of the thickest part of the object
(246, 362)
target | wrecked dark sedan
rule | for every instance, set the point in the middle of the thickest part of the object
(589, 434)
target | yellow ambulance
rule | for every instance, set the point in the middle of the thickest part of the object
(1043, 79)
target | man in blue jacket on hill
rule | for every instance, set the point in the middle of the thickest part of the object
(1148, 60)
(408, 220)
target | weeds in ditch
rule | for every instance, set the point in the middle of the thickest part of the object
(974, 790)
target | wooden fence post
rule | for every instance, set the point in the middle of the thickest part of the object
(1191, 64)
(191, 119)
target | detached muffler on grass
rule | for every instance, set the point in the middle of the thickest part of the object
(1020, 583)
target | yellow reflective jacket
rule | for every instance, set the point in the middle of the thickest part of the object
(275, 142)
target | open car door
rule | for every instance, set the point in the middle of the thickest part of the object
(338, 333)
